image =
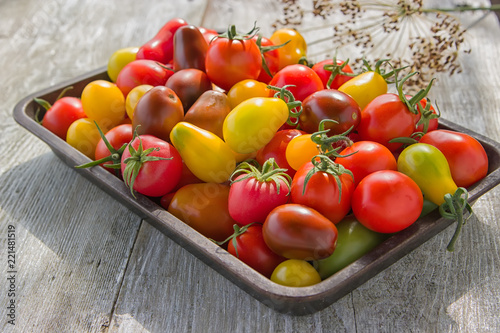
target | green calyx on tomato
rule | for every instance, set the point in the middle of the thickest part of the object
(232, 34)
(294, 107)
(330, 145)
(238, 231)
(323, 163)
(264, 49)
(136, 160)
(114, 157)
(270, 172)
(453, 208)
(336, 69)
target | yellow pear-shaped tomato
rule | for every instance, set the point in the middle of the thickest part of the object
(206, 155)
(428, 167)
(253, 123)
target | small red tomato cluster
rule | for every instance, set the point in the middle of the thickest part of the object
(296, 168)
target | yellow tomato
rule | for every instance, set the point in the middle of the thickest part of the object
(134, 96)
(206, 155)
(119, 59)
(364, 87)
(103, 102)
(290, 53)
(246, 89)
(300, 150)
(83, 135)
(295, 273)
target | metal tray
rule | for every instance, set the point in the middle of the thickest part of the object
(296, 301)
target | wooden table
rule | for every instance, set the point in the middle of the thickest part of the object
(85, 263)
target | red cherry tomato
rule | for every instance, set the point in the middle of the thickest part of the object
(249, 247)
(62, 114)
(387, 201)
(367, 157)
(271, 58)
(117, 137)
(139, 72)
(324, 74)
(305, 81)
(466, 157)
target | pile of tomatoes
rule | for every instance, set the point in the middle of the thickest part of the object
(298, 169)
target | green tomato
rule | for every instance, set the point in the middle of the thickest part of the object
(295, 273)
(354, 240)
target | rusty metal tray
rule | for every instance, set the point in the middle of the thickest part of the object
(296, 301)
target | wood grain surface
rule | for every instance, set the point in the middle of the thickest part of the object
(85, 263)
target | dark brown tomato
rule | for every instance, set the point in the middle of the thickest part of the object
(189, 84)
(329, 104)
(209, 111)
(190, 48)
(157, 112)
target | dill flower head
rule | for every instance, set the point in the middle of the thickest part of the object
(423, 39)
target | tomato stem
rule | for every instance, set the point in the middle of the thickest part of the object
(270, 172)
(294, 107)
(454, 208)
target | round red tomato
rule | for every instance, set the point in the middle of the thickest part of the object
(153, 177)
(325, 74)
(229, 61)
(249, 246)
(117, 137)
(304, 80)
(385, 118)
(323, 193)
(62, 114)
(387, 201)
(299, 232)
(367, 157)
(466, 157)
(329, 104)
(139, 72)
(276, 148)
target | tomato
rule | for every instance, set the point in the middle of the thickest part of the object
(209, 111)
(353, 242)
(293, 51)
(386, 118)
(161, 47)
(189, 84)
(326, 73)
(303, 80)
(365, 157)
(387, 201)
(157, 112)
(248, 245)
(61, 115)
(231, 59)
(365, 87)
(151, 166)
(430, 120)
(329, 104)
(207, 156)
(254, 193)
(208, 34)
(428, 167)
(133, 97)
(119, 59)
(299, 232)
(271, 58)
(117, 137)
(83, 135)
(276, 148)
(328, 192)
(300, 150)
(203, 206)
(142, 71)
(466, 157)
(253, 123)
(103, 102)
(190, 48)
(246, 89)
(295, 273)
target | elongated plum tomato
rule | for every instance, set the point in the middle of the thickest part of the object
(299, 232)
(154, 178)
(387, 201)
(253, 123)
(203, 206)
(207, 156)
(190, 48)
(466, 157)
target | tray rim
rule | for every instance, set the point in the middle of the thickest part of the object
(295, 301)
